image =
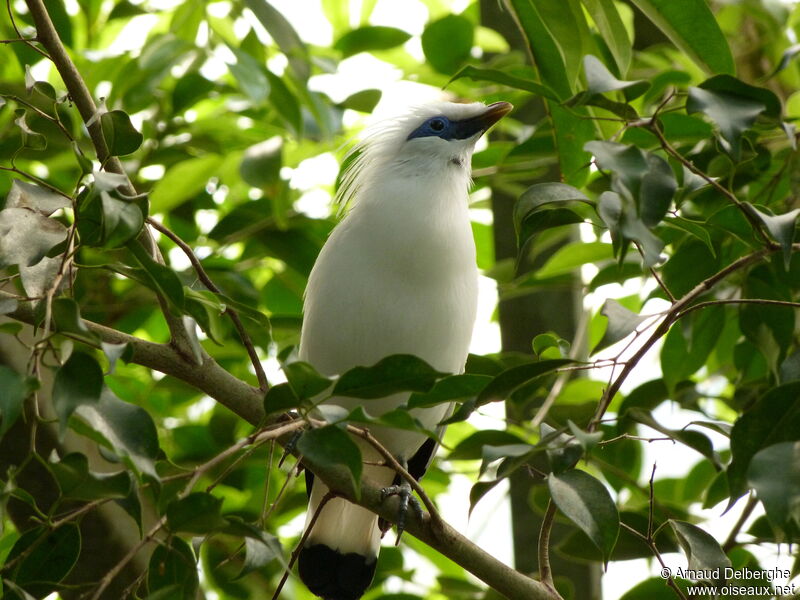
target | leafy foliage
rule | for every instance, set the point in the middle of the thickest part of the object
(648, 168)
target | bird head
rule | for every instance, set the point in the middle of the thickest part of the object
(431, 139)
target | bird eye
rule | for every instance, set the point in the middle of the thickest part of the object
(437, 124)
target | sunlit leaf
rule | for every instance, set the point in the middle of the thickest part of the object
(370, 38)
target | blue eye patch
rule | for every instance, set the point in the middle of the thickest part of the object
(441, 126)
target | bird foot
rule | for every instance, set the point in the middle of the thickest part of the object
(290, 446)
(406, 498)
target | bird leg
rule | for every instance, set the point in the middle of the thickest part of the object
(403, 490)
(288, 449)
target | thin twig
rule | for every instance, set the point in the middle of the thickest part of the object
(27, 41)
(134, 550)
(545, 571)
(662, 286)
(731, 542)
(764, 301)
(670, 317)
(399, 469)
(655, 127)
(203, 276)
(325, 499)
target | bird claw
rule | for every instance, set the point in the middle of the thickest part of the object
(290, 446)
(406, 498)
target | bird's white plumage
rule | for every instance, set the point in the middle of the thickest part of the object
(397, 275)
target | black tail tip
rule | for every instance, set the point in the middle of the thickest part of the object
(332, 575)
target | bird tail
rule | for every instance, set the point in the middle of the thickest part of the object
(338, 559)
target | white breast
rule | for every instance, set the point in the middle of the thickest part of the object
(398, 275)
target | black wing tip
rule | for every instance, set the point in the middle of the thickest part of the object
(335, 576)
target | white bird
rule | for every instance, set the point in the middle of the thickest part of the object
(396, 276)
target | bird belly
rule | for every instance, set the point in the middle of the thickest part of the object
(379, 308)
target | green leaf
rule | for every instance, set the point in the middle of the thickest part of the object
(206, 309)
(479, 490)
(607, 19)
(691, 26)
(285, 102)
(732, 114)
(491, 454)
(472, 447)
(77, 482)
(573, 255)
(261, 163)
(727, 84)
(35, 197)
(396, 373)
(563, 450)
(620, 215)
(173, 567)
(284, 35)
(545, 341)
(599, 80)
(370, 38)
(259, 552)
(14, 388)
(781, 227)
(79, 381)
(773, 419)
(280, 398)
(114, 352)
(701, 550)
(621, 323)
(450, 389)
(182, 182)
(587, 503)
(693, 439)
(125, 429)
(251, 76)
(399, 418)
(447, 43)
(364, 101)
(536, 208)
(30, 138)
(329, 446)
(67, 317)
(698, 229)
(198, 514)
(27, 236)
(49, 561)
(119, 133)
(774, 473)
(305, 380)
(122, 221)
(505, 78)
(501, 387)
(558, 37)
(160, 277)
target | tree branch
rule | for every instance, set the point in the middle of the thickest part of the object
(246, 402)
(670, 317)
(48, 37)
(237, 322)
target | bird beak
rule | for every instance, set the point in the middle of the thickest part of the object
(494, 112)
(477, 125)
